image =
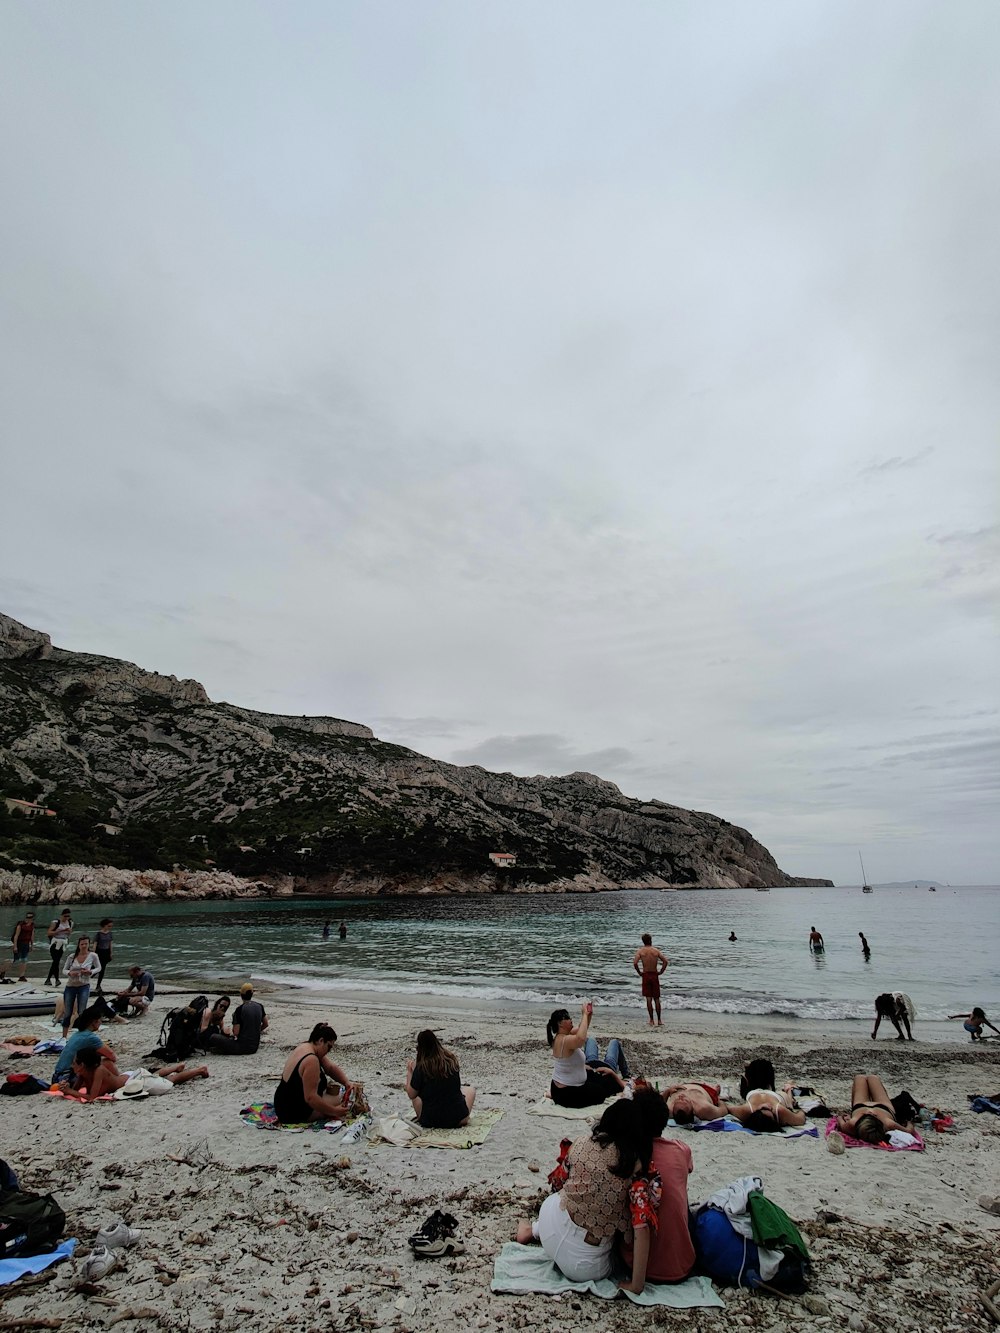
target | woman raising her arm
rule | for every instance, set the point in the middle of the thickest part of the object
(579, 1076)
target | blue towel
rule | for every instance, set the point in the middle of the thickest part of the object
(12, 1269)
(725, 1126)
(985, 1104)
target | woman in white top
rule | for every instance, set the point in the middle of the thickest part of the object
(579, 1076)
(59, 932)
(81, 968)
(766, 1111)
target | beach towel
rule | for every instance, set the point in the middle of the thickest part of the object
(851, 1142)
(726, 1125)
(261, 1115)
(522, 1268)
(12, 1269)
(57, 1091)
(409, 1134)
(992, 1104)
(548, 1107)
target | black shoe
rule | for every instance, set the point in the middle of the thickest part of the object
(439, 1227)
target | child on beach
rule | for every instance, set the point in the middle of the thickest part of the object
(974, 1024)
(439, 1098)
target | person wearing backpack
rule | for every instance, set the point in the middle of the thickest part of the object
(22, 941)
(58, 932)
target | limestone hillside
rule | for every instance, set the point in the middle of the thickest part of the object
(187, 784)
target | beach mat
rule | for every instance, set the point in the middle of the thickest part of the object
(408, 1134)
(527, 1268)
(728, 1126)
(851, 1142)
(548, 1107)
(261, 1115)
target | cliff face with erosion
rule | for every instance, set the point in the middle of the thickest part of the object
(144, 770)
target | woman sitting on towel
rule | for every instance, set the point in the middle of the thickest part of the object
(440, 1100)
(873, 1113)
(95, 1077)
(604, 1185)
(764, 1110)
(302, 1095)
(579, 1076)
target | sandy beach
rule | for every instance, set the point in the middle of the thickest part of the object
(297, 1231)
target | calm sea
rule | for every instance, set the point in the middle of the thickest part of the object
(941, 948)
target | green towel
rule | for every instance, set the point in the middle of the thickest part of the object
(772, 1227)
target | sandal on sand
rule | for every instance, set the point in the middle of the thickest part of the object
(437, 1237)
(991, 1203)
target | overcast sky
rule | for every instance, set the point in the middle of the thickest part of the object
(549, 386)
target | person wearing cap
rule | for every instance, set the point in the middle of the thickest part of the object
(249, 1021)
(22, 942)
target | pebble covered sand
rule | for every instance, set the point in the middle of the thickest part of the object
(249, 1229)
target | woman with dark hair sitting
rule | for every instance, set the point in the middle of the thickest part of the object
(213, 1021)
(302, 1096)
(439, 1098)
(579, 1076)
(873, 1113)
(604, 1186)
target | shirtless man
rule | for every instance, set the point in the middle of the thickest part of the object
(650, 964)
(687, 1102)
(816, 944)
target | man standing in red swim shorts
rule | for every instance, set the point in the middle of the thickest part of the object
(650, 964)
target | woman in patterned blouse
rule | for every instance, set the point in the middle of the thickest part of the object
(603, 1186)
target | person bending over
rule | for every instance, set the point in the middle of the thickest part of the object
(302, 1095)
(604, 1185)
(974, 1024)
(138, 994)
(896, 1008)
(439, 1098)
(579, 1076)
(873, 1115)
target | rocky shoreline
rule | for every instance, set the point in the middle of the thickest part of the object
(105, 884)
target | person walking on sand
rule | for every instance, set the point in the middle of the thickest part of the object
(59, 931)
(22, 942)
(816, 944)
(650, 965)
(865, 946)
(103, 949)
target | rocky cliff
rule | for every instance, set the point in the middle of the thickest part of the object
(146, 771)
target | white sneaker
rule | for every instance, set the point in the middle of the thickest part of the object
(99, 1263)
(118, 1236)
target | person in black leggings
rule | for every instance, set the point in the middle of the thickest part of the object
(302, 1095)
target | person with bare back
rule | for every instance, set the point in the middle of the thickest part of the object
(650, 964)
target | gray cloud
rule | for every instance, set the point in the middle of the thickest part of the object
(544, 391)
(547, 754)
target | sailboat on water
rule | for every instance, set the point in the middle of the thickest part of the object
(865, 886)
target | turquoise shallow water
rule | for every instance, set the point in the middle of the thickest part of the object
(938, 947)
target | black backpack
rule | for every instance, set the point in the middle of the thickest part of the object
(29, 1224)
(180, 1029)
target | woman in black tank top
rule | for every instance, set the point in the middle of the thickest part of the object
(302, 1096)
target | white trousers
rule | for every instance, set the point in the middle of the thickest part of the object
(566, 1245)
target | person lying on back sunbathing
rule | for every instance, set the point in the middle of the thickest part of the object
(688, 1102)
(872, 1117)
(95, 1077)
(763, 1109)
